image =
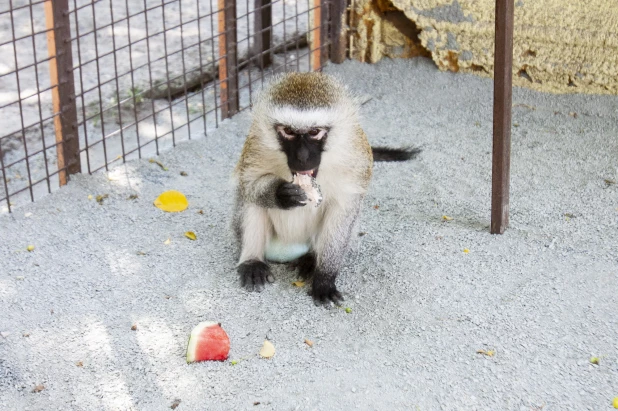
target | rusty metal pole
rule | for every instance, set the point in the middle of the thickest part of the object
(338, 31)
(315, 45)
(63, 88)
(503, 90)
(228, 54)
(263, 33)
(325, 32)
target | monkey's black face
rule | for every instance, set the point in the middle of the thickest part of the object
(303, 147)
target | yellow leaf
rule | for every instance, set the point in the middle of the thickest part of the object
(191, 235)
(172, 201)
(102, 197)
(268, 350)
(489, 353)
(615, 402)
(167, 242)
(298, 283)
(466, 251)
(160, 164)
(90, 197)
(30, 248)
(594, 360)
(309, 342)
(447, 218)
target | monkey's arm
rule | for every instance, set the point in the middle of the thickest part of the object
(330, 249)
(271, 191)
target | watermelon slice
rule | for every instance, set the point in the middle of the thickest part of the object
(208, 342)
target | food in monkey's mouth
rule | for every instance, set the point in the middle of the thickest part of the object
(307, 182)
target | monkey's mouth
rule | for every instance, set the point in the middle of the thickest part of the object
(311, 173)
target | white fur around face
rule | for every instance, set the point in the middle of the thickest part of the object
(340, 120)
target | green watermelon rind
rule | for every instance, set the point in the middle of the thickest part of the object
(193, 338)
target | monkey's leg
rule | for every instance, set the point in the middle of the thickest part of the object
(255, 232)
(305, 264)
(330, 248)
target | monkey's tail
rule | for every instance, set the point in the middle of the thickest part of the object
(394, 154)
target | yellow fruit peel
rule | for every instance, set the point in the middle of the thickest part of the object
(172, 201)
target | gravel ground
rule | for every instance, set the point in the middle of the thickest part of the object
(543, 296)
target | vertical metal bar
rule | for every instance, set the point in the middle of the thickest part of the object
(324, 32)
(63, 91)
(285, 38)
(338, 33)
(214, 60)
(134, 90)
(503, 70)
(315, 45)
(167, 74)
(118, 95)
(152, 102)
(297, 55)
(228, 67)
(352, 25)
(4, 180)
(263, 32)
(100, 93)
(81, 88)
(20, 103)
(184, 71)
(39, 103)
(250, 47)
(199, 49)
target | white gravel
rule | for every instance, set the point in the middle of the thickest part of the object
(543, 296)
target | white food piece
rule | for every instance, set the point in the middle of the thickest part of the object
(310, 187)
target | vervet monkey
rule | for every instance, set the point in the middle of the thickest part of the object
(305, 125)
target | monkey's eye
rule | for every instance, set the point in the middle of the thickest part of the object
(316, 133)
(285, 132)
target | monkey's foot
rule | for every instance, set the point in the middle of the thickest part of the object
(306, 265)
(324, 291)
(254, 274)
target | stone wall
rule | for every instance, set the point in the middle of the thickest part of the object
(559, 45)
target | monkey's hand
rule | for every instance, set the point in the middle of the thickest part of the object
(254, 274)
(324, 290)
(290, 195)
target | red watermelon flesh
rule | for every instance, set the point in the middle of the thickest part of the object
(208, 341)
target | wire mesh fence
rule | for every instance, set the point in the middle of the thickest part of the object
(88, 83)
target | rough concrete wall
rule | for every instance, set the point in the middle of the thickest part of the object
(559, 45)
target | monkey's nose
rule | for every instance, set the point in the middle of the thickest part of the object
(302, 155)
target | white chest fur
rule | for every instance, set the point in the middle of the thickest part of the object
(297, 225)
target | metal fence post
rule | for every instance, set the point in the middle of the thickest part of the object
(503, 71)
(63, 88)
(228, 53)
(263, 33)
(338, 32)
(315, 36)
